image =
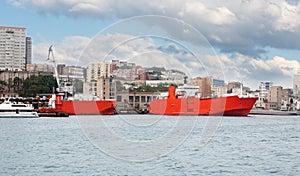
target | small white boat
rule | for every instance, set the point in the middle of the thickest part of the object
(273, 112)
(13, 110)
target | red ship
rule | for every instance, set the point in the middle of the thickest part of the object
(227, 106)
(79, 107)
(62, 108)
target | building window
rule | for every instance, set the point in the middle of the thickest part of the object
(119, 98)
(137, 98)
(143, 99)
(130, 98)
(149, 98)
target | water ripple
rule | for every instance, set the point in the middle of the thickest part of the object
(241, 146)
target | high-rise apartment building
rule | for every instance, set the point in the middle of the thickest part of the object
(12, 48)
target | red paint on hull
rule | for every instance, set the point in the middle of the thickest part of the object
(227, 106)
(82, 107)
(93, 107)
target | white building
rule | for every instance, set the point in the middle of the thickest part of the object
(263, 88)
(12, 48)
(71, 73)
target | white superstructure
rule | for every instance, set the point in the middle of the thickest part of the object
(13, 110)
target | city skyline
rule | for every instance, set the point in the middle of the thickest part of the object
(253, 44)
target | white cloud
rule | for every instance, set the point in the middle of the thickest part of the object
(288, 16)
(245, 27)
(216, 15)
(68, 51)
(252, 70)
(232, 26)
(145, 52)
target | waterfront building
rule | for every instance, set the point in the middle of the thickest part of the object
(288, 101)
(127, 101)
(263, 88)
(12, 48)
(274, 98)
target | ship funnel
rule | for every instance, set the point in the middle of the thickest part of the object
(171, 94)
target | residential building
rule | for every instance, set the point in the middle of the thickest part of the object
(103, 88)
(98, 70)
(274, 98)
(12, 48)
(204, 84)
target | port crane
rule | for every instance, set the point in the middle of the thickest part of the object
(63, 87)
(50, 52)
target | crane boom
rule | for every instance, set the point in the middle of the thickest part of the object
(50, 52)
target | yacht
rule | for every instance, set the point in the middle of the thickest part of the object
(10, 109)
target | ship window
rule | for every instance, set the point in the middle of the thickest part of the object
(18, 106)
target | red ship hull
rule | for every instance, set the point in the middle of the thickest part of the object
(92, 107)
(227, 106)
(81, 107)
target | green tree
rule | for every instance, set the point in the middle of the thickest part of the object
(17, 84)
(42, 84)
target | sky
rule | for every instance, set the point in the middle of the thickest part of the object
(247, 40)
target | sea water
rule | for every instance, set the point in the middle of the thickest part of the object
(81, 145)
